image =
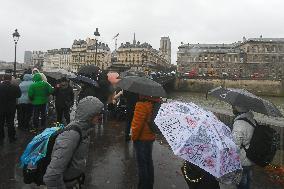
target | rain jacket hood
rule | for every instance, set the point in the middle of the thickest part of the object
(87, 108)
(37, 77)
(35, 70)
(28, 77)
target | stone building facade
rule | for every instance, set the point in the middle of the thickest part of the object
(253, 58)
(84, 52)
(38, 59)
(165, 48)
(141, 56)
(28, 57)
(58, 59)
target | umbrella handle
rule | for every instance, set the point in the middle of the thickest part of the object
(184, 169)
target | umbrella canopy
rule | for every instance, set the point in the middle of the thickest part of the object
(84, 79)
(58, 74)
(142, 85)
(243, 98)
(197, 136)
(90, 71)
(127, 73)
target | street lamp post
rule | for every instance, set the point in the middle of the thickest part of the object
(97, 34)
(16, 37)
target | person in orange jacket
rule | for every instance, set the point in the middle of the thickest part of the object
(143, 139)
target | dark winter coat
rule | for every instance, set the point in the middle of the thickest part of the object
(131, 99)
(8, 95)
(64, 97)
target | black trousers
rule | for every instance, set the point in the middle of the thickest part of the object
(24, 115)
(60, 111)
(8, 119)
(39, 111)
(129, 117)
(145, 165)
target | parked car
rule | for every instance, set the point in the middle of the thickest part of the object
(225, 74)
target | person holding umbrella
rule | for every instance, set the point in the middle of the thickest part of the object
(242, 134)
(247, 133)
(142, 136)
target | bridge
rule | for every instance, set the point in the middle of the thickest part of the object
(167, 81)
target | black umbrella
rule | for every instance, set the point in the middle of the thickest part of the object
(90, 71)
(243, 98)
(84, 79)
(142, 85)
(127, 73)
(58, 74)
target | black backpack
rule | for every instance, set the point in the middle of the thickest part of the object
(153, 127)
(35, 175)
(263, 144)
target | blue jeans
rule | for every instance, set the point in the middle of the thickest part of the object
(145, 164)
(246, 178)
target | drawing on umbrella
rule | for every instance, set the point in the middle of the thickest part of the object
(197, 136)
(243, 98)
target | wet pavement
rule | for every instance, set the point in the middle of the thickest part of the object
(111, 163)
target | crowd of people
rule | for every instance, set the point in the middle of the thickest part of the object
(30, 100)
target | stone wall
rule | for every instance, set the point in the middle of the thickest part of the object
(258, 87)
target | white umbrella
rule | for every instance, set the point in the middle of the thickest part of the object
(197, 136)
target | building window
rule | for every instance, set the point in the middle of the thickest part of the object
(255, 59)
(273, 59)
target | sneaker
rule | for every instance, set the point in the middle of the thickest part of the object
(33, 130)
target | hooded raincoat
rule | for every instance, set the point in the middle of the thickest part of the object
(43, 77)
(39, 91)
(68, 159)
(24, 86)
(242, 134)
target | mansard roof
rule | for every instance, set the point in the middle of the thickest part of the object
(208, 48)
(260, 39)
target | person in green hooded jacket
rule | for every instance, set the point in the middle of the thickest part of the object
(39, 92)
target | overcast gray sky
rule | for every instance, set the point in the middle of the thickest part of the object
(49, 24)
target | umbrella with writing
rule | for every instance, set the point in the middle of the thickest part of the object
(197, 136)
